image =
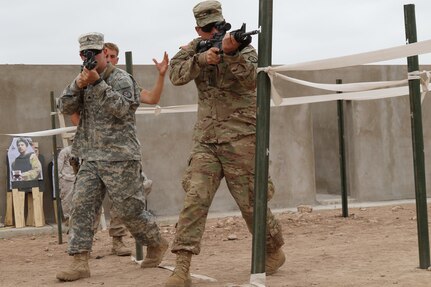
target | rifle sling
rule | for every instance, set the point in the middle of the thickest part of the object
(108, 71)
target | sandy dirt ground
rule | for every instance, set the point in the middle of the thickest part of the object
(374, 246)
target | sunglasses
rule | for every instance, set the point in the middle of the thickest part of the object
(89, 53)
(208, 27)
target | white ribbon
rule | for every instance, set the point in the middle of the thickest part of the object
(258, 279)
(403, 51)
(355, 91)
(45, 133)
(157, 110)
(198, 276)
(346, 61)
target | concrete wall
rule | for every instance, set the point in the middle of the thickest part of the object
(304, 140)
(378, 134)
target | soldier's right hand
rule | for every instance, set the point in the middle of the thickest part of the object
(80, 81)
(87, 77)
(212, 56)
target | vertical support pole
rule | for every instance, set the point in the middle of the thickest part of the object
(55, 165)
(418, 143)
(129, 63)
(262, 139)
(342, 154)
(129, 69)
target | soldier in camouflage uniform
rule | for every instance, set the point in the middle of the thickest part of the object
(106, 143)
(66, 179)
(224, 139)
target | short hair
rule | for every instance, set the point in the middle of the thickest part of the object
(112, 46)
(21, 140)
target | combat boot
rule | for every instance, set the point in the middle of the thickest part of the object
(181, 275)
(78, 269)
(274, 260)
(155, 254)
(118, 247)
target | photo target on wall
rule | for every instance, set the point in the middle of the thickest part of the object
(25, 169)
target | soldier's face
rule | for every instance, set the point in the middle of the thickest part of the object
(206, 35)
(101, 61)
(112, 56)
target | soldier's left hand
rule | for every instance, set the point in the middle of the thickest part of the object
(163, 65)
(229, 44)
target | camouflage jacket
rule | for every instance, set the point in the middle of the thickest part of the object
(65, 169)
(226, 109)
(107, 127)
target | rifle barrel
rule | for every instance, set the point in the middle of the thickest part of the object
(250, 33)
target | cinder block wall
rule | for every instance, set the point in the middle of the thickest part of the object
(303, 147)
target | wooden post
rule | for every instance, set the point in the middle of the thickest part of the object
(37, 206)
(9, 209)
(30, 210)
(18, 207)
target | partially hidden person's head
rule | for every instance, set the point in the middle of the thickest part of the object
(35, 146)
(207, 13)
(22, 144)
(92, 44)
(112, 52)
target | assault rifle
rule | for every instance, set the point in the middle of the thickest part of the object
(90, 61)
(240, 35)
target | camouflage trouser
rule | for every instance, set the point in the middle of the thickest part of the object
(116, 227)
(124, 183)
(66, 193)
(209, 163)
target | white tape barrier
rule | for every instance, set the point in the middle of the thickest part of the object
(346, 61)
(256, 280)
(403, 51)
(197, 276)
(367, 95)
(45, 133)
(352, 87)
(157, 110)
(363, 95)
(368, 89)
(339, 62)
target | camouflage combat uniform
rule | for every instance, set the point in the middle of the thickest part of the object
(66, 179)
(66, 182)
(107, 144)
(224, 141)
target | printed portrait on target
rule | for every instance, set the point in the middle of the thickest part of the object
(25, 169)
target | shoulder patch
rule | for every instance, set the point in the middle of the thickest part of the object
(127, 95)
(252, 59)
(125, 82)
